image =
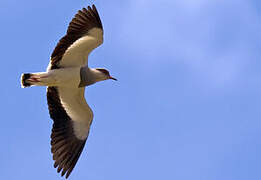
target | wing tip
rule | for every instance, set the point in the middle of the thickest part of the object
(66, 155)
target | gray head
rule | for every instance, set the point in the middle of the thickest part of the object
(90, 76)
(104, 74)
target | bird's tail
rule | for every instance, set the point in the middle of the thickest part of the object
(24, 80)
(35, 79)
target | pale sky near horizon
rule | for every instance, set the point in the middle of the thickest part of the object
(186, 105)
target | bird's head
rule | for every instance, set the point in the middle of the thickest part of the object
(104, 74)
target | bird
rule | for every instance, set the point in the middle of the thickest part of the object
(66, 77)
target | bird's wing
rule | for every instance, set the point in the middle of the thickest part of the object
(84, 34)
(72, 118)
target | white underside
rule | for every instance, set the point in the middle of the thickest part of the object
(77, 54)
(77, 108)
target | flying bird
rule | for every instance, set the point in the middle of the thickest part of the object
(66, 77)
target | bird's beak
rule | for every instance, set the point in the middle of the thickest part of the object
(113, 78)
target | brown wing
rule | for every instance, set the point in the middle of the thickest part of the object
(66, 147)
(84, 21)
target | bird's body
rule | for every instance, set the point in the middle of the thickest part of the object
(66, 77)
(71, 77)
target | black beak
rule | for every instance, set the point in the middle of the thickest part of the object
(113, 78)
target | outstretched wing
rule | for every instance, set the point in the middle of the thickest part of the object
(72, 118)
(84, 34)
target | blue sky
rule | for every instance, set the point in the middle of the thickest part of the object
(186, 106)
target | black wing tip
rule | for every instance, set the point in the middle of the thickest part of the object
(93, 10)
(94, 19)
(66, 166)
(66, 161)
(66, 147)
(97, 16)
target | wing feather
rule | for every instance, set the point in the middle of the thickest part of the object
(70, 131)
(86, 22)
